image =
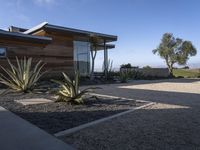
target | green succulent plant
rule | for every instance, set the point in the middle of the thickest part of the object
(22, 77)
(69, 90)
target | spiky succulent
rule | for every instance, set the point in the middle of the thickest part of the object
(69, 90)
(23, 76)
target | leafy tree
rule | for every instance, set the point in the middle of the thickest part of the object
(174, 50)
(126, 65)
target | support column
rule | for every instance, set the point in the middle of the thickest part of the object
(105, 60)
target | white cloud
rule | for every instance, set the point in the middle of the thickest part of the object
(43, 2)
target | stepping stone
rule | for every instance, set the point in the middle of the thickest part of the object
(33, 101)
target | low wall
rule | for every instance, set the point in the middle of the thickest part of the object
(141, 73)
(155, 72)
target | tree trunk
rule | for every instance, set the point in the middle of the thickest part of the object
(93, 55)
(92, 71)
(170, 68)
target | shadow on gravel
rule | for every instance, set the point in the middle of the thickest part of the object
(155, 129)
(53, 122)
(182, 80)
(172, 125)
(178, 98)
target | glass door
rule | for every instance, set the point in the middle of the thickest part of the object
(82, 57)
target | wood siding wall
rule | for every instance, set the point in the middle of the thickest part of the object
(58, 55)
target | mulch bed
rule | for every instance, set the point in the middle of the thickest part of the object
(55, 117)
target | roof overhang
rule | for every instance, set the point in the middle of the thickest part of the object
(25, 37)
(106, 37)
(107, 46)
(74, 32)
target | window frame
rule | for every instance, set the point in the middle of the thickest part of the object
(1, 47)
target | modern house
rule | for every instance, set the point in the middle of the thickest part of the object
(62, 49)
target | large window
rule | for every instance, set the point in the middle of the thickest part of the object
(82, 57)
(2, 52)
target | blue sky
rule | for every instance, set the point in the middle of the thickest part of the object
(139, 24)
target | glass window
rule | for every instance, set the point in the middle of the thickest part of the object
(2, 52)
(82, 57)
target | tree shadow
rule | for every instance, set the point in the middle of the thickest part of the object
(143, 129)
(173, 123)
(178, 98)
(181, 80)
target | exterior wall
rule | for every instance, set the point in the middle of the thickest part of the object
(19, 49)
(58, 55)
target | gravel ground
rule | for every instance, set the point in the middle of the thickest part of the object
(171, 124)
(55, 117)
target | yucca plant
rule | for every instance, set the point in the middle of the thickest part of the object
(69, 90)
(22, 77)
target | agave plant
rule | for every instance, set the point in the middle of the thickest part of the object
(69, 90)
(22, 77)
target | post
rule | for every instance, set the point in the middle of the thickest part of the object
(105, 60)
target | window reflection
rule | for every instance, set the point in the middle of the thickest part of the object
(2, 52)
(82, 57)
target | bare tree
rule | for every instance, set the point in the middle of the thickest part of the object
(93, 51)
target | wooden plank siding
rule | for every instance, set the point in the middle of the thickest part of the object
(58, 55)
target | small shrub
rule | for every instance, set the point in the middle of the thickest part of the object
(23, 77)
(123, 77)
(139, 75)
(69, 90)
(186, 67)
(147, 67)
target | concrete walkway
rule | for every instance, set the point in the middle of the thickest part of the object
(18, 134)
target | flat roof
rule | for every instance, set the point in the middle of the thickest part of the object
(45, 25)
(108, 46)
(25, 37)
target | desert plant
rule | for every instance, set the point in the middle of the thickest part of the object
(22, 77)
(124, 77)
(110, 70)
(69, 90)
(110, 74)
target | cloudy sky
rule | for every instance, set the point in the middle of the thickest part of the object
(139, 24)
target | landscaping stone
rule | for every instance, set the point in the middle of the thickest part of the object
(55, 117)
(33, 101)
(171, 124)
